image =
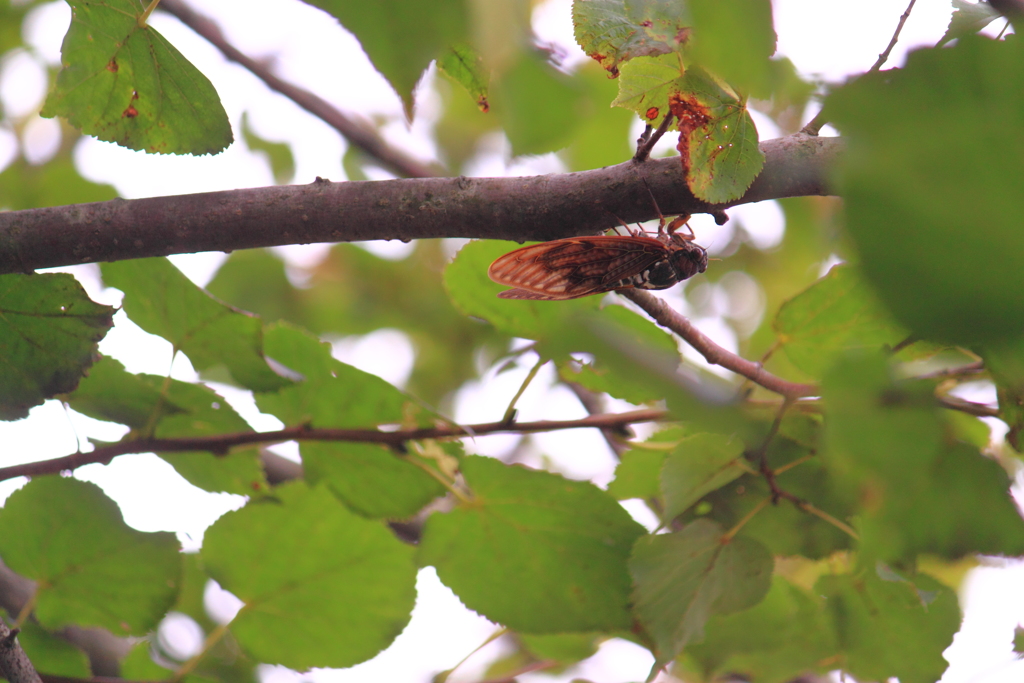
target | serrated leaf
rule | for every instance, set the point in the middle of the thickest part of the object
(884, 629)
(614, 31)
(162, 301)
(684, 578)
(563, 545)
(698, 465)
(49, 329)
(331, 393)
(463, 65)
(967, 19)
(334, 607)
(914, 222)
(835, 315)
(645, 85)
(92, 569)
(123, 82)
(370, 479)
(720, 152)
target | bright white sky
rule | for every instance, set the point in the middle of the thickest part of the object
(825, 39)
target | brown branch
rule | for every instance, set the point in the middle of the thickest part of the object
(665, 316)
(14, 663)
(358, 132)
(815, 124)
(646, 144)
(532, 208)
(976, 409)
(221, 443)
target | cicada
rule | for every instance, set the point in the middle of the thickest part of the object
(579, 266)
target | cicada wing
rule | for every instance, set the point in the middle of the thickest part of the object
(527, 295)
(577, 266)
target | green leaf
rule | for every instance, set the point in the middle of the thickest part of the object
(602, 135)
(682, 579)
(92, 569)
(51, 654)
(734, 39)
(699, 464)
(968, 18)
(138, 664)
(538, 105)
(935, 497)
(162, 301)
(614, 31)
(370, 479)
(646, 84)
(889, 628)
(123, 82)
(334, 607)
(331, 393)
(564, 648)
(719, 149)
(835, 315)
(638, 474)
(463, 65)
(278, 154)
(49, 329)
(563, 545)
(401, 37)
(785, 635)
(933, 184)
(55, 183)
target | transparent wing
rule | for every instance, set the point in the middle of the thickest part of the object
(574, 267)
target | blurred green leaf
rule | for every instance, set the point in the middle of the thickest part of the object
(57, 182)
(49, 329)
(682, 579)
(370, 479)
(335, 607)
(835, 315)
(564, 648)
(92, 569)
(614, 31)
(463, 65)
(734, 39)
(933, 183)
(401, 37)
(939, 498)
(538, 105)
(162, 301)
(638, 474)
(967, 19)
(777, 640)
(698, 465)
(563, 545)
(51, 654)
(601, 137)
(278, 154)
(123, 82)
(885, 629)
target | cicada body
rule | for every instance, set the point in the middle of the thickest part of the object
(579, 266)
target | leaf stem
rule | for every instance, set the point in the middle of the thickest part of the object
(146, 12)
(728, 536)
(510, 412)
(216, 635)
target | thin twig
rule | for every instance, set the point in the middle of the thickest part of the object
(643, 151)
(974, 368)
(357, 132)
(976, 409)
(222, 443)
(665, 316)
(816, 124)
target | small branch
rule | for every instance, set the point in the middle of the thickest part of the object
(14, 663)
(536, 208)
(976, 409)
(975, 368)
(816, 124)
(643, 150)
(357, 132)
(221, 443)
(591, 402)
(665, 316)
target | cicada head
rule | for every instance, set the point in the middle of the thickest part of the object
(689, 260)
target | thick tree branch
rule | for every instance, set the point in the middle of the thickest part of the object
(14, 663)
(220, 443)
(532, 208)
(712, 352)
(357, 132)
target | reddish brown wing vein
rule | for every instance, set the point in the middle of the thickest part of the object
(574, 267)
